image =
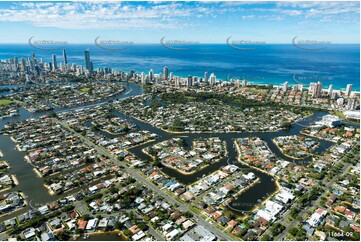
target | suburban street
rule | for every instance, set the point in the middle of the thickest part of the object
(309, 208)
(140, 178)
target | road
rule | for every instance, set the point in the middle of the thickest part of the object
(140, 178)
(310, 208)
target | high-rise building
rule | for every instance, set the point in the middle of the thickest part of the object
(23, 64)
(315, 89)
(319, 89)
(194, 80)
(143, 80)
(16, 64)
(330, 90)
(151, 75)
(64, 57)
(73, 67)
(244, 82)
(352, 103)
(237, 83)
(212, 79)
(88, 63)
(189, 81)
(171, 76)
(165, 72)
(285, 87)
(348, 90)
(176, 81)
(53, 63)
(205, 76)
(312, 89)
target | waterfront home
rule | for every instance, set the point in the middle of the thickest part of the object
(284, 195)
(270, 211)
(82, 224)
(29, 233)
(44, 209)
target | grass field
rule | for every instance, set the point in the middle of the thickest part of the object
(5, 102)
(85, 89)
(256, 91)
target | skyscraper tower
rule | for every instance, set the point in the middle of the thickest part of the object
(64, 56)
(330, 90)
(213, 79)
(205, 76)
(319, 89)
(348, 90)
(142, 78)
(189, 81)
(53, 62)
(88, 64)
(151, 74)
(165, 72)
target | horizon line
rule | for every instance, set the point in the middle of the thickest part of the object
(156, 43)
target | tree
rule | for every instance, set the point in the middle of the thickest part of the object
(266, 237)
(293, 231)
(85, 217)
(127, 233)
(154, 104)
(142, 226)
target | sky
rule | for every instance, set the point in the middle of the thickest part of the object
(203, 22)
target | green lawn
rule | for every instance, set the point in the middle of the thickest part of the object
(256, 91)
(5, 102)
(85, 89)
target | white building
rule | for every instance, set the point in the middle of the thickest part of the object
(330, 121)
(270, 211)
(348, 90)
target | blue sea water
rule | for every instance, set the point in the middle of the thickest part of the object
(338, 64)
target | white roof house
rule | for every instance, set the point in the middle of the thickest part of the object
(270, 211)
(171, 235)
(91, 224)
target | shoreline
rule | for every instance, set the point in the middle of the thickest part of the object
(18, 208)
(263, 171)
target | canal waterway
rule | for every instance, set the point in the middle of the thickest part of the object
(33, 188)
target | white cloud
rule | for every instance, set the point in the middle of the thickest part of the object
(168, 15)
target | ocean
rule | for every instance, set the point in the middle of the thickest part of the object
(337, 64)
